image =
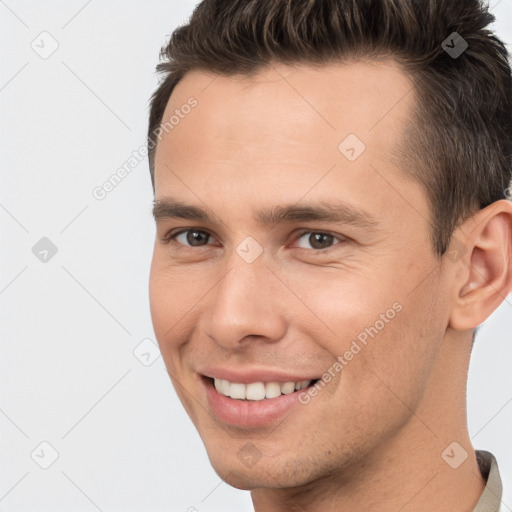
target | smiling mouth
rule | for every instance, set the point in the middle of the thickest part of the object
(257, 391)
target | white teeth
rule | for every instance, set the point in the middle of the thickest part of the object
(237, 391)
(287, 388)
(272, 390)
(257, 391)
(224, 387)
(302, 384)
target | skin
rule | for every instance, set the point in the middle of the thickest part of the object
(375, 434)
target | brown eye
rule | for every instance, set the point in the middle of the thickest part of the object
(192, 238)
(316, 240)
(320, 240)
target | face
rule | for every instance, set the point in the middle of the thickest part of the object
(294, 263)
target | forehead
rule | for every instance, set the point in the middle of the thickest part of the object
(284, 128)
(289, 110)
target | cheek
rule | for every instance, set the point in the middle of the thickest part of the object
(160, 302)
(374, 324)
(341, 303)
(392, 371)
(176, 295)
(170, 290)
(168, 299)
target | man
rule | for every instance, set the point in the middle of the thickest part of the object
(332, 227)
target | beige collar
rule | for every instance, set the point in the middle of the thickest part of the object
(490, 501)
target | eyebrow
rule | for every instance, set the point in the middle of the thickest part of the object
(322, 211)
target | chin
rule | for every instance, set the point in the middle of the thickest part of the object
(243, 481)
(261, 474)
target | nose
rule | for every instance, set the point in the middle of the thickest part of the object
(247, 304)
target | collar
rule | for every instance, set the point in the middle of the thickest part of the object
(490, 500)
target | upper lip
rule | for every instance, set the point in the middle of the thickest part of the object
(248, 375)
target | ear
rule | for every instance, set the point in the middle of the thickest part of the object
(482, 250)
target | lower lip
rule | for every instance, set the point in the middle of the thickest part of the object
(249, 413)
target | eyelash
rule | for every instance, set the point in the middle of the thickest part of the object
(171, 237)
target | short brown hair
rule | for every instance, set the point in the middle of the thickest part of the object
(458, 142)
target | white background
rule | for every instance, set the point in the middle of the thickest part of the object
(68, 327)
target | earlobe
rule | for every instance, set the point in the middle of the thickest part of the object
(487, 277)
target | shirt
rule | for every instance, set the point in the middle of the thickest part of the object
(490, 500)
